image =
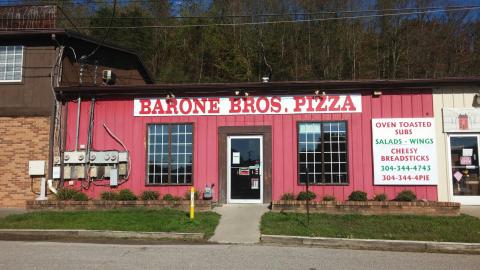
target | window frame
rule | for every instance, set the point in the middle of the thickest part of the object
(170, 153)
(22, 65)
(323, 159)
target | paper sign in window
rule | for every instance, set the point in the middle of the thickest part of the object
(465, 160)
(236, 158)
(243, 171)
(467, 152)
(255, 183)
(458, 175)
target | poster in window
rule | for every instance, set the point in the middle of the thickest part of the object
(255, 183)
(458, 176)
(467, 152)
(236, 158)
(465, 160)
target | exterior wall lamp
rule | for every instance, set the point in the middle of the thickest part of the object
(317, 93)
(476, 100)
(377, 93)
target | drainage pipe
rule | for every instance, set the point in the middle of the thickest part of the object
(79, 105)
(63, 138)
(89, 143)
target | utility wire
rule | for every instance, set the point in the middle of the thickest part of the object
(68, 19)
(285, 21)
(15, 2)
(106, 34)
(276, 14)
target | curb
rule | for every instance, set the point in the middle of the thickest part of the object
(373, 244)
(32, 234)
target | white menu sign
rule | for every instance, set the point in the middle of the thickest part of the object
(404, 151)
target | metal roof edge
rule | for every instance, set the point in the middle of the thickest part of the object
(196, 89)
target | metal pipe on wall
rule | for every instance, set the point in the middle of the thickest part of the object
(51, 140)
(63, 138)
(89, 143)
(79, 105)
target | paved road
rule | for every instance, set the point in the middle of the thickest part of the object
(48, 255)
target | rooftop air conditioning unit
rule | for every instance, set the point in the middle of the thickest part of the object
(108, 77)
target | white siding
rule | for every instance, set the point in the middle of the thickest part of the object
(458, 97)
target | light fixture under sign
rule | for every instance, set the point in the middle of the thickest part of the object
(476, 100)
(377, 93)
(317, 93)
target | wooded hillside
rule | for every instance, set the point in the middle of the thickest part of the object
(244, 40)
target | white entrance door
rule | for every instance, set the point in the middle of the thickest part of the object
(464, 168)
(244, 169)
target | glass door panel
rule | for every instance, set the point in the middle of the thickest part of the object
(464, 165)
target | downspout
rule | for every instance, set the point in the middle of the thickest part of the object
(55, 79)
(51, 140)
(79, 105)
(63, 138)
(89, 143)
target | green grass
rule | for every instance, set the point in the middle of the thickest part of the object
(139, 219)
(448, 229)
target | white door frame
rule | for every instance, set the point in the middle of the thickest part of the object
(465, 200)
(229, 170)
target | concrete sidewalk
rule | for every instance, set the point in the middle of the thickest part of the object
(472, 210)
(240, 223)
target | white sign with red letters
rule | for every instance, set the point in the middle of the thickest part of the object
(404, 151)
(247, 105)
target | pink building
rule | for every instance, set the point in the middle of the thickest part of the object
(253, 141)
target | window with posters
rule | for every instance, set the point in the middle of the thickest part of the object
(464, 165)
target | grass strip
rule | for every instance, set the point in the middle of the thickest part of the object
(461, 228)
(138, 219)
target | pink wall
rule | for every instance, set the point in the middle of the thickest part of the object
(118, 115)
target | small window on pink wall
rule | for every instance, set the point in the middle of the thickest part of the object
(170, 154)
(322, 153)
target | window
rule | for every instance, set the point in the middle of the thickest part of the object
(322, 148)
(11, 59)
(170, 154)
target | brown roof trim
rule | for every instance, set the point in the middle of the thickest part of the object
(209, 89)
(75, 35)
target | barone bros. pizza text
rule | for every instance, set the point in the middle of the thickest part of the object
(245, 105)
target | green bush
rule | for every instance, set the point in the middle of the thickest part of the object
(177, 198)
(303, 196)
(67, 194)
(126, 195)
(109, 196)
(149, 195)
(406, 196)
(382, 197)
(328, 198)
(168, 197)
(288, 197)
(357, 196)
(80, 196)
(187, 195)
